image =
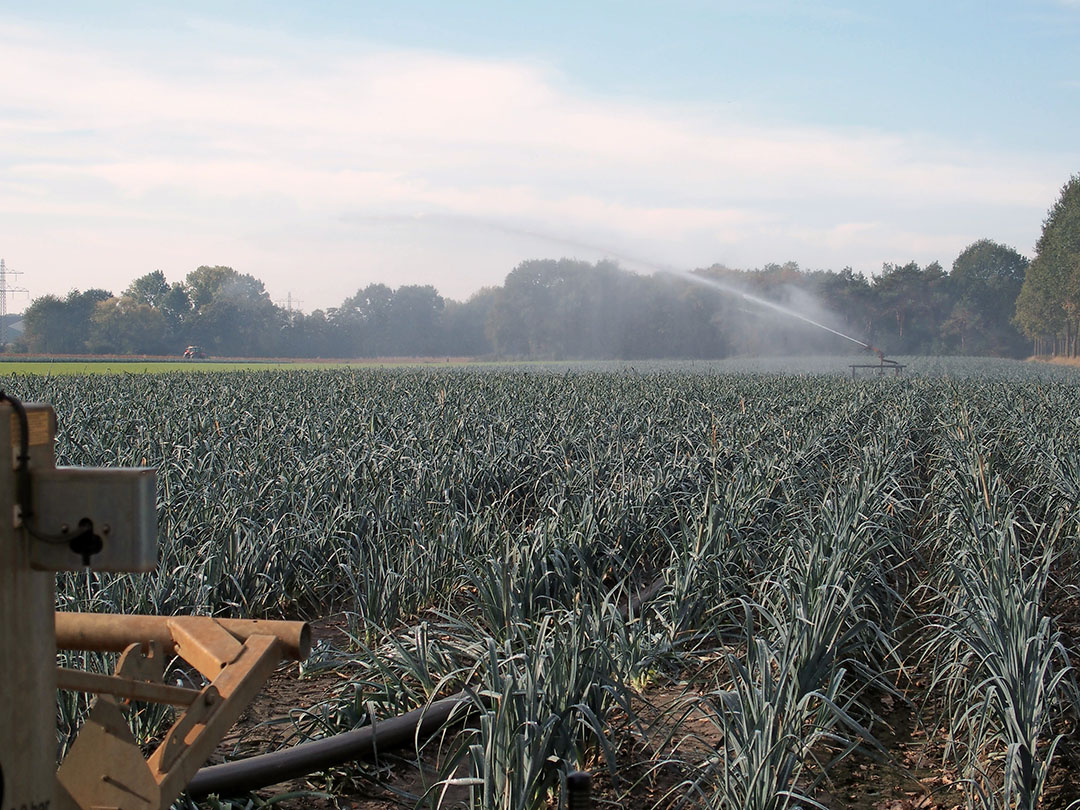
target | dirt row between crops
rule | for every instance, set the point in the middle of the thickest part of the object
(914, 779)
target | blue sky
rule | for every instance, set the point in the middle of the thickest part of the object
(323, 146)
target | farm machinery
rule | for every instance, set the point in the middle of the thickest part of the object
(884, 364)
(64, 519)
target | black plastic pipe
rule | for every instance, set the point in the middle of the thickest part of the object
(579, 791)
(245, 775)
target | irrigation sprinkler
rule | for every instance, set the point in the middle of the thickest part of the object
(65, 519)
(884, 364)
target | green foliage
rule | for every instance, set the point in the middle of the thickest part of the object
(568, 309)
(986, 279)
(915, 299)
(998, 656)
(61, 326)
(151, 289)
(1049, 302)
(557, 547)
(125, 326)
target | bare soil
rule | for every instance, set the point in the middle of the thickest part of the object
(912, 777)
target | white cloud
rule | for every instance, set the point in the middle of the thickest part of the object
(130, 165)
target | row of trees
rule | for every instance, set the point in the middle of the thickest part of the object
(559, 309)
(154, 317)
(568, 309)
(991, 301)
(230, 314)
(1048, 308)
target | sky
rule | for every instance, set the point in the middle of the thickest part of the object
(324, 146)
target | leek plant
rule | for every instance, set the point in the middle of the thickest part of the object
(563, 547)
(997, 657)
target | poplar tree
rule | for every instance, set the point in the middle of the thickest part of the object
(1048, 307)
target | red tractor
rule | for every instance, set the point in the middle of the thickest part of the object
(194, 353)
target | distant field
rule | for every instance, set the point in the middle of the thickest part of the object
(120, 366)
(957, 367)
(145, 367)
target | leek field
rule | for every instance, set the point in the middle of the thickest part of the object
(710, 588)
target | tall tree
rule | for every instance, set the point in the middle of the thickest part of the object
(464, 324)
(232, 313)
(61, 326)
(986, 279)
(175, 305)
(126, 326)
(150, 289)
(45, 327)
(1048, 308)
(365, 318)
(916, 299)
(850, 296)
(522, 322)
(416, 321)
(311, 336)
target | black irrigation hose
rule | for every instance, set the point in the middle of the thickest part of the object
(245, 775)
(262, 770)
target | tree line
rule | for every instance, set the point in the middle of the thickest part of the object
(992, 301)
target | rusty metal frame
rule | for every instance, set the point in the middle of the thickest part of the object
(104, 767)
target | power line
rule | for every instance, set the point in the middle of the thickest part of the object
(5, 291)
(289, 302)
